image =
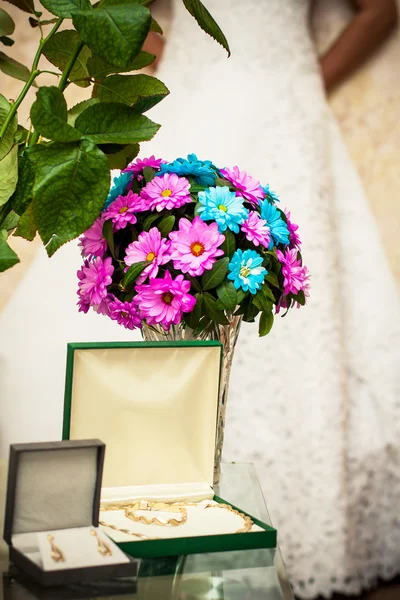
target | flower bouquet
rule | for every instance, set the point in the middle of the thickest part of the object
(187, 243)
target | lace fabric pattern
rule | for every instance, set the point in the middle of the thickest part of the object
(316, 404)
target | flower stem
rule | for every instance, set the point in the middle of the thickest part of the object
(34, 73)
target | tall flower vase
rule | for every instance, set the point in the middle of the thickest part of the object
(227, 335)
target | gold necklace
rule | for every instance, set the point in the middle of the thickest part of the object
(130, 509)
(248, 522)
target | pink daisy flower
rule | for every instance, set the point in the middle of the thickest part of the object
(292, 227)
(295, 276)
(104, 307)
(194, 248)
(245, 185)
(94, 277)
(136, 167)
(282, 305)
(150, 247)
(125, 313)
(163, 301)
(167, 191)
(256, 230)
(122, 210)
(83, 303)
(92, 242)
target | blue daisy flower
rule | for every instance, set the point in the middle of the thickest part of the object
(223, 206)
(118, 188)
(277, 226)
(246, 271)
(203, 171)
(271, 196)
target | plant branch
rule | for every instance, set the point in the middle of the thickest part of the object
(69, 66)
(62, 83)
(34, 73)
(50, 73)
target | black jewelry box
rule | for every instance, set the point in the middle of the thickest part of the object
(56, 486)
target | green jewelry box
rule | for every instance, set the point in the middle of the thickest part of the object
(154, 404)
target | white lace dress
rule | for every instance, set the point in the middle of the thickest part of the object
(316, 404)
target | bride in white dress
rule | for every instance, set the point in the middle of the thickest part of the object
(316, 404)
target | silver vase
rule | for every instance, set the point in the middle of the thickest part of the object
(227, 335)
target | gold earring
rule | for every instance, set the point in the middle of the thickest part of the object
(103, 548)
(56, 553)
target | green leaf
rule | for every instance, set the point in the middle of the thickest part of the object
(195, 188)
(13, 68)
(194, 283)
(272, 279)
(241, 295)
(267, 292)
(33, 22)
(24, 190)
(211, 279)
(100, 68)
(76, 110)
(120, 159)
(265, 324)
(7, 25)
(148, 174)
(126, 2)
(71, 184)
(229, 245)
(300, 298)
(115, 123)
(165, 226)
(206, 22)
(250, 312)
(25, 5)
(226, 292)
(7, 140)
(26, 225)
(11, 221)
(20, 135)
(261, 302)
(8, 258)
(49, 116)
(109, 236)
(148, 222)
(65, 8)
(115, 33)
(3, 234)
(7, 41)
(8, 174)
(133, 273)
(142, 91)
(154, 26)
(193, 318)
(211, 310)
(59, 49)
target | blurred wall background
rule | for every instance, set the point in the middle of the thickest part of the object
(367, 108)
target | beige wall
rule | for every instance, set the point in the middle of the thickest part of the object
(367, 108)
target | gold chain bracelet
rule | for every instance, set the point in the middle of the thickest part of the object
(156, 506)
(128, 531)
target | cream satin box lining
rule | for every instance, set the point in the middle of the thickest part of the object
(155, 406)
(78, 547)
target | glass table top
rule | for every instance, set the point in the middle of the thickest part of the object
(238, 575)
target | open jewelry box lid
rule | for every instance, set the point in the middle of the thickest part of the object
(53, 485)
(153, 403)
